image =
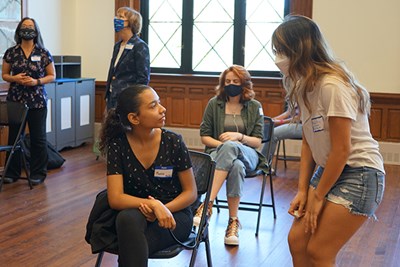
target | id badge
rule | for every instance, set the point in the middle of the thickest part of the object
(163, 172)
(317, 124)
(128, 46)
(35, 58)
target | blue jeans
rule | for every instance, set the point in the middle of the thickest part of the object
(359, 189)
(286, 131)
(236, 159)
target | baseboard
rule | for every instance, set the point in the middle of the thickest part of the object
(390, 152)
(191, 137)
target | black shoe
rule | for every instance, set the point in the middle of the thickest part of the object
(10, 180)
(37, 180)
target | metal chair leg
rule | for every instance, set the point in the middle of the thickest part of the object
(99, 259)
(261, 203)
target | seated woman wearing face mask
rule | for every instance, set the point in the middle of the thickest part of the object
(231, 130)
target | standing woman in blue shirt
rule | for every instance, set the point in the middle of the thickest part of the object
(130, 62)
(27, 66)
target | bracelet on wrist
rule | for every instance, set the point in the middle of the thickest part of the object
(39, 82)
(241, 139)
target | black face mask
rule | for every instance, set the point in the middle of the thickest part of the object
(27, 33)
(233, 90)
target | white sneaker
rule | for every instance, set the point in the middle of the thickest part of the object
(197, 216)
(232, 232)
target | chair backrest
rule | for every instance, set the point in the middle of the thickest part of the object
(203, 168)
(12, 113)
(267, 137)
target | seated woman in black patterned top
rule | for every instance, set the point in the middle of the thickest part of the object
(149, 176)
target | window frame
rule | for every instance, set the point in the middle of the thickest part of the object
(298, 7)
(239, 36)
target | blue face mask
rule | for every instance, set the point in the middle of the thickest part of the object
(233, 90)
(118, 24)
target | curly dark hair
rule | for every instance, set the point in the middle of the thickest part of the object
(116, 122)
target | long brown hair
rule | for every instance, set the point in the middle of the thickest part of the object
(300, 39)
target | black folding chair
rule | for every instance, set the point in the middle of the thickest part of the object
(203, 168)
(13, 114)
(257, 206)
(285, 157)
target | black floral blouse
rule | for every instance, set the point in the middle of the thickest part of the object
(161, 179)
(35, 67)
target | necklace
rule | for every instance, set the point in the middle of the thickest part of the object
(233, 109)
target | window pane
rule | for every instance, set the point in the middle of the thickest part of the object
(263, 16)
(213, 35)
(165, 33)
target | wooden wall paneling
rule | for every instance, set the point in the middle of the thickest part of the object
(273, 101)
(196, 105)
(100, 103)
(385, 116)
(393, 126)
(176, 105)
(301, 7)
(98, 114)
(130, 3)
(194, 111)
(375, 122)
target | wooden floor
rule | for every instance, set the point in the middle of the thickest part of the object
(46, 226)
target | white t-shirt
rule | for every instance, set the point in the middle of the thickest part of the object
(333, 98)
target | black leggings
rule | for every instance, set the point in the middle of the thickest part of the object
(138, 238)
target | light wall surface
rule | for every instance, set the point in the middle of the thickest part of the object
(77, 27)
(362, 33)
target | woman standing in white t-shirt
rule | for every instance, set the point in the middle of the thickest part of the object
(347, 186)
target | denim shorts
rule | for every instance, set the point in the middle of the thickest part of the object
(359, 189)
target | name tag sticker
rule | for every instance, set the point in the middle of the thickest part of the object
(163, 172)
(317, 124)
(129, 46)
(35, 58)
(261, 112)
